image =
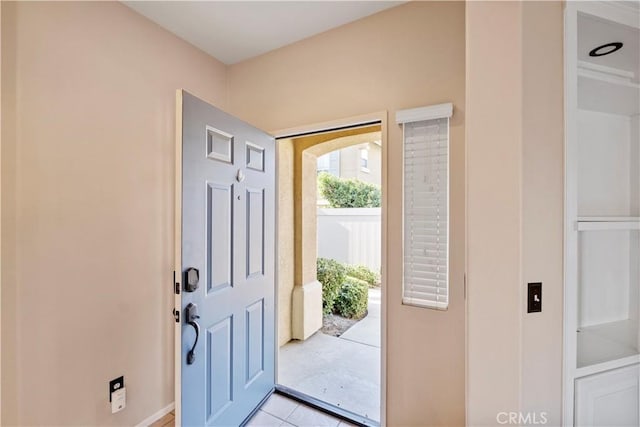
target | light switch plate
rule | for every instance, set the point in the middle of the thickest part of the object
(118, 400)
(534, 297)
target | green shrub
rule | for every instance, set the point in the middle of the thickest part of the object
(332, 275)
(353, 298)
(363, 273)
(348, 193)
(355, 280)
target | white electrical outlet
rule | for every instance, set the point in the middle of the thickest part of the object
(118, 400)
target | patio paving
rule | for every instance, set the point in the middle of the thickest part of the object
(367, 331)
(343, 371)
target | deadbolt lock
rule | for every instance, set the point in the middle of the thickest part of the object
(191, 279)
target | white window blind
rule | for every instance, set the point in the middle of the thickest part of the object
(426, 206)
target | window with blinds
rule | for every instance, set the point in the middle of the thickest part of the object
(426, 206)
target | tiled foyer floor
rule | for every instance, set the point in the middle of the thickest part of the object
(278, 411)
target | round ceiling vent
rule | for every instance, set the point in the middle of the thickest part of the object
(606, 49)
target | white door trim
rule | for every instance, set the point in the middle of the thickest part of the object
(177, 267)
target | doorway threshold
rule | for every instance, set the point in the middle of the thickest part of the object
(325, 407)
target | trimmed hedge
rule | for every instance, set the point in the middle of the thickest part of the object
(363, 273)
(331, 274)
(348, 193)
(353, 298)
(355, 280)
(342, 293)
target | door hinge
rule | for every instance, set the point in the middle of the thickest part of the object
(176, 285)
(176, 315)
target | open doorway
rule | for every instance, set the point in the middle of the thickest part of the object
(329, 269)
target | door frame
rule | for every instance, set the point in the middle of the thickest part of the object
(344, 123)
(177, 265)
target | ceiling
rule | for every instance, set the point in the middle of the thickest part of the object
(233, 31)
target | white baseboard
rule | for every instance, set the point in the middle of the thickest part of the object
(155, 417)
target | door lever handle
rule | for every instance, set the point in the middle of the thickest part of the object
(191, 317)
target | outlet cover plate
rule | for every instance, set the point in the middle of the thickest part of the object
(119, 400)
(115, 385)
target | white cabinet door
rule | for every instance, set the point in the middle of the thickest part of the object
(609, 399)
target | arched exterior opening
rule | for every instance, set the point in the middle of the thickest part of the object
(299, 292)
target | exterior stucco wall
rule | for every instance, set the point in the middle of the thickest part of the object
(350, 166)
(285, 239)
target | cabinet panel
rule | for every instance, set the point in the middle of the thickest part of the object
(609, 399)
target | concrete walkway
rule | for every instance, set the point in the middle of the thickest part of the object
(342, 371)
(367, 331)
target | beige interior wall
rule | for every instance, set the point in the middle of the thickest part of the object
(543, 205)
(87, 208)
(494, 147)
(366, 66)
(7, 203)
(514, 208)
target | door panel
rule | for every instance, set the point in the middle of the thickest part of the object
(255, 232)
(255, 341)
(228, 225)
(219, 352)
(219, 236)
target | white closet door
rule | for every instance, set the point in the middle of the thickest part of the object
(609, 399)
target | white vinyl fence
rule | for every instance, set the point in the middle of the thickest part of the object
(351, 235)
